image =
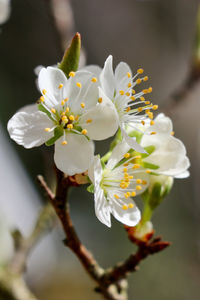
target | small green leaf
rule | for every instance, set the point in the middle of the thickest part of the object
(148, 165)
(90, 188)
(149, 150)
(58, 132)
(71, 57)
(43, 109)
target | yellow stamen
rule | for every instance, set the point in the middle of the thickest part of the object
(72, 74)
(76, 117)
(143, 122)
(63, 102)
(84, 131)
(138, 181)
(64, 143)
(89, 121)
(133, 92)
(147, 102)
(131, 205)
(42, 99)
(140, 109)
(137, 157)
(150, 115)
(53, 110)
(136, 166)
(153, 132)
(70, 126)
(172, 132)
(67, 109)
(82, 104)
(47, 129)
(148, 171)
(94, 79)
(121, 93)
(60, 86)
(129, 74)
(154, 107)
(128, 109)
(145, 78)
(127, 155)
(152, 123)
(144, 182)
(133, 194)
(145, 91)
(124, 207)
(140, 71)
(127, 94)
(66, 99)
(129, 84)
(132, 98)
(79, 84)
(100, 100)
(138, 81)
(125, 170)
(64, 119)
(150, 89)
(142, 98)
(44, 92)
(138, 187)
(116, 196)
(71, 117)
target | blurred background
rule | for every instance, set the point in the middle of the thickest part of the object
(157, 35)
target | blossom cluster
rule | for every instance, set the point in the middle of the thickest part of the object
(95, 104)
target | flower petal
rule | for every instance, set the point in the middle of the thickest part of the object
(121, 78)
(76, 156)
(28, 129)
(104, 119)
(29, 109)
(107, 78)
(129, 217)
(117, 154)
(4, 10)
(132, 142)
(49, 80)
(94, 69)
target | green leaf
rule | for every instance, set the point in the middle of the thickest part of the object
(43, 109)
(58, 132)
(148, 165)
(71, 57)
(90, 188)
(149, 150)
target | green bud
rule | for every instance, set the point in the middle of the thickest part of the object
(71, 57)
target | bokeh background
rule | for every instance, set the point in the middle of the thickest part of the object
(157, 35)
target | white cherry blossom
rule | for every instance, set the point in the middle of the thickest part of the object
(71, 113)
(4, 10)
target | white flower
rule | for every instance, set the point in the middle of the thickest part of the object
(169, 155)
(72, 111)
(116, 184)
(119, 87)
(4, 10)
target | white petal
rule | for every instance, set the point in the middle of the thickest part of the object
(94, 69)
(117, 154)
(95, 171)
(4, 10)
(183, 175)
(129, 217)
(132, 142)
(107, 78)
(76, 156)
(28, 129)
(49, 79)
(121, 78)
(104, 118)
(29, 109)
(102, 208)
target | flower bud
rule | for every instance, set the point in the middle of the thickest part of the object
(143, 232)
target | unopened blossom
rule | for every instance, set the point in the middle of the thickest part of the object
(143, 231)
(4, 10)
(71, 113)
(116, 185)
(133, 107)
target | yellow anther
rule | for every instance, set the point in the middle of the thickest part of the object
(100, 100)
(76, 117)
(89, 121)
(64, 143)
(172, 132)
(127, 155)
(140, 71)
(154, 107)
(147, 111)
(94, 79)
(142, 98)
(65, 119)
(127, 195)
(125, 170)
(116, 196)
(79, 84)
(63, 114)
(124, 207)
(138, 187)
(60, 86)
(145, 91)
(140, 109)
(84, 131)
(133, 92)
(63, 102)
(144, 182)
(66, 99)
(133, 194)
(138, 157)
(126, 174)
(150, 115)
(125, 165)
(145, 78)
(150, 89)
(153, 132)
(44, 92)
(143, 122)
(152, 123)
(131, 177)
(132, 98)
(53, 110)
(71, 117)
(42, 99)
(127, 94)
(138, 181)
(129, 84)
(131, 205)
(70, 126)
(72, 74)
(128, 74)
(136, 166)
(67, 109)
(121, 92)
(128, 109)
(148, 171)
(82, 104)
(47, 129)
(147, 102)
(138, 81)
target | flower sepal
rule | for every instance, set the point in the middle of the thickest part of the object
(58, 132)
